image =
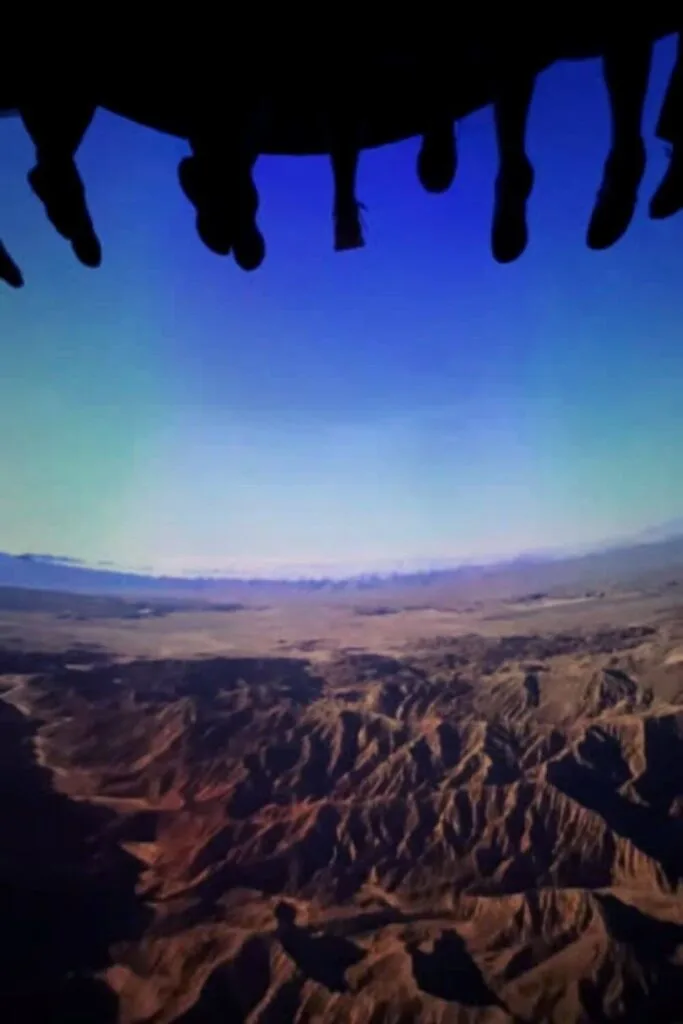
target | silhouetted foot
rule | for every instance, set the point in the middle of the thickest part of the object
(9, 271)
(59, 187)
(437, 161)
(207, 193)
(226, 202)
(510, 234)
(348, 230)
(668, 199)
(617, 198)
(214, 228)
(249, 248)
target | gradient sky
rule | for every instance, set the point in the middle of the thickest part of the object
(411, 400)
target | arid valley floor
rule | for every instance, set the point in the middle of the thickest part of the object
(412, 807)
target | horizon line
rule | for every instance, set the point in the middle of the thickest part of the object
(330, 571)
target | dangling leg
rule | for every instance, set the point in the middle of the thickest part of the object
(626, 67)
(57, 126)
(249, 248)
(9, 271)
(510, 236)
(344, 153)
(668, 199)
(437, 161)
(348, 233)
(217, 179)
(202, 180)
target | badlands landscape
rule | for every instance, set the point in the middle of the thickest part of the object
(390, 804)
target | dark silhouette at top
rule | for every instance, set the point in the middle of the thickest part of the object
(408, 81)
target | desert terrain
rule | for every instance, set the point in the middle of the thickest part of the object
(395, 805)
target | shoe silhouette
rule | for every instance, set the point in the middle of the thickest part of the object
(510, 233)
(437, 160)
(617, 198)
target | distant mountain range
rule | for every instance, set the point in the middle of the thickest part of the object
(665, 531)
(658, 550)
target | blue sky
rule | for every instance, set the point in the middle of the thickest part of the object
(411, 400)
